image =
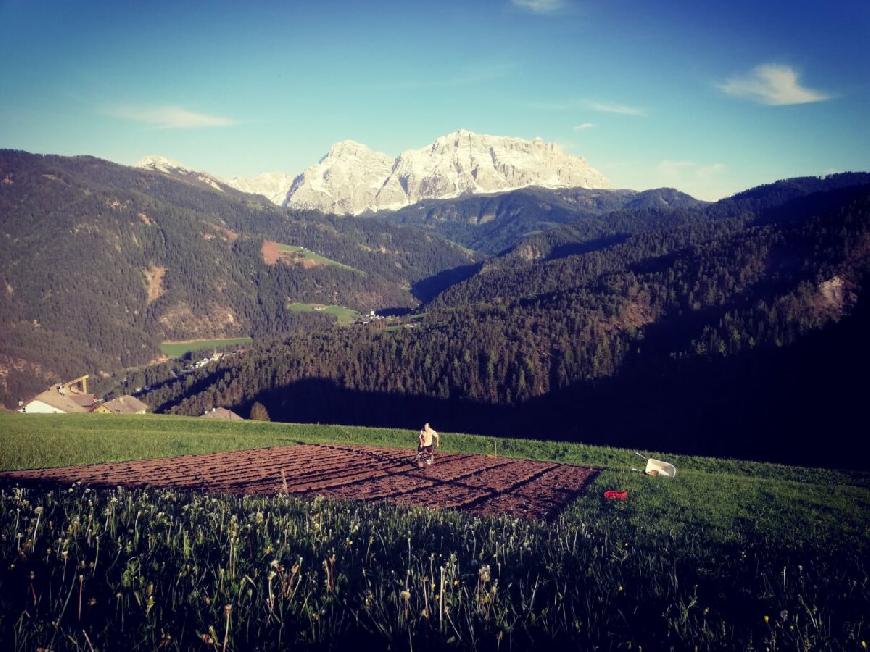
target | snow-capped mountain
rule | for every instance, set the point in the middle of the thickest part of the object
(345, 181)
(272, 185)
(168, 166)
(352, 178)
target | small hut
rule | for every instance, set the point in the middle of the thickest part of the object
(221, 413)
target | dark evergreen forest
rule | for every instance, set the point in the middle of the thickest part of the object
(731, 329)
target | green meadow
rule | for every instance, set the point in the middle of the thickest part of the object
(343, 314)
(302, 253)
(176, 349)
(729, 554)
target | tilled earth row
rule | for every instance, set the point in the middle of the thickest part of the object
(475, 483)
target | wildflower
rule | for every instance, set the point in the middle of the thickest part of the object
(405, 595)
(484, 574)
(38, 510)
(766, 619)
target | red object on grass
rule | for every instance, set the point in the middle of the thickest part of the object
(613, 494)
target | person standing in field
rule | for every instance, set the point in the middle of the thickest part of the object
(427, 442)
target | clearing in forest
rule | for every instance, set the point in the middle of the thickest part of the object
(295, 256)
(344, 314)
(177, 348)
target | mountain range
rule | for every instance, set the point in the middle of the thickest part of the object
(632, 318)
(352, 178)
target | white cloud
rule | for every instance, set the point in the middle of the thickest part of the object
(584, 125)
(539, 6)
(169, 117)
(592, 105)
(613, 107)
(698, 170)
(701, 180)
(772, 84)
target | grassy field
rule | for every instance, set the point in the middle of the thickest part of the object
(306, 254)
(343, 314)
(729, 555)
(177, 348)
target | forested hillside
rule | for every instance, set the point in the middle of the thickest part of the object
(734, 329)
(100, 262)
(492, 224)
(648, 319)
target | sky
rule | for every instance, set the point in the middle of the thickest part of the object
(707, 97)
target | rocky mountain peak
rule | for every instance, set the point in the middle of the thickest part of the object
(160, 164)
(352, 178)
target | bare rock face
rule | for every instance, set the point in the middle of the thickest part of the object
(345, 181)
(352, 178)
(176, 169)
(272, 185)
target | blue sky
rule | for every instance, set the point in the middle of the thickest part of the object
(708, 97)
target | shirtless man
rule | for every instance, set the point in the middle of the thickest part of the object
(425, 445)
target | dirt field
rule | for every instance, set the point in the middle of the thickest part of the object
(272, 254)
(475, 483)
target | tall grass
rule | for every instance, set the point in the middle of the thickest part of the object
(163, 569)
(729, 555)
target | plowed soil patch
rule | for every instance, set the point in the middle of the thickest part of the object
(474, 483)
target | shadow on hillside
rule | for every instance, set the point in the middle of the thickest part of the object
(798, 404)
(428, 288)
(588, 246)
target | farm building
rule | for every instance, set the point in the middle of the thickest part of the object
(63, 398)
(221, 413)
(123, 405)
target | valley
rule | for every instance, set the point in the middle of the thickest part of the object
(434, 326)
(541, 311)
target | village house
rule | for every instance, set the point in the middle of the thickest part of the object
(63, 398)
(221, 413)
(122, 405)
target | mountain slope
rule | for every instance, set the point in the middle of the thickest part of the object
(100, 262)
(345, 181)
(661, 337)
(492, 224)
(271, 185)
